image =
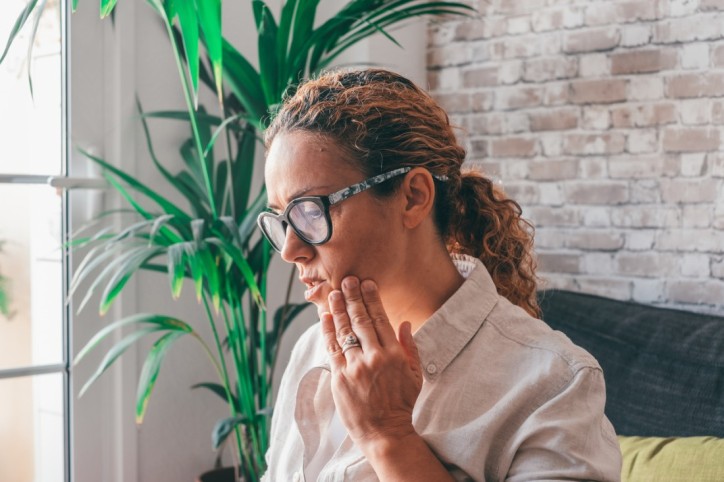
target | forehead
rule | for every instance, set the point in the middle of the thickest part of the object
(300, 163)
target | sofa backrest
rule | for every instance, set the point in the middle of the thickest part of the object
(664, 368)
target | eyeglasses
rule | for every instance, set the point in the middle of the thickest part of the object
(309, 217)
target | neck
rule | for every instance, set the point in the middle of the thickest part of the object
(427, 281)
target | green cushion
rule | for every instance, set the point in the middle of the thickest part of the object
(672, 459)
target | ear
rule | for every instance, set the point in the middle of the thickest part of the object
(418, 189)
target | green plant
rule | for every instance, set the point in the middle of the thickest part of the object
(211, 239)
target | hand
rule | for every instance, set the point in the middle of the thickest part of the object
(375, 386)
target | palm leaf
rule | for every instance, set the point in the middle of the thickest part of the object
(107, 7)
(186, 10)
(150, 370)
(268, 66)
(19, 22)
(209, 12)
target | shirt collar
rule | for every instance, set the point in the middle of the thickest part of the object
(441, 338)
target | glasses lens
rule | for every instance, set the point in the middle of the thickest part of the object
(309, 220)
(273, 230)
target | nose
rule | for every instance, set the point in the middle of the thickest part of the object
(295, 249)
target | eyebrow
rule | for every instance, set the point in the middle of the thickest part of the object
(296, 195)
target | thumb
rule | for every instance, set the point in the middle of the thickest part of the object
(409, 345)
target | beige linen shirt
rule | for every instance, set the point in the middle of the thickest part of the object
(504, 397)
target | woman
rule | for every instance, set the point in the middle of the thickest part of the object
(429, 363)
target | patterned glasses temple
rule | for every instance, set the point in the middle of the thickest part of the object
(350, 191)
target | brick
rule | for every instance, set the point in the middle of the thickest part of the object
(553, 170)
(441, 34)
(481, 77)
(642, 141)
(550, 194)
(640, 240)
(645, 87)
(518, 25)
(596, 118)
(597, 217)
(600, 13)
(598, 240)
(643, 115)
(482, 101)
(648, 291)
(593, 168)
(553, 216)
(483, 52)
(449, 55)
(509, 98)
(598, 91)
(597, 263)
(524, 193)
(591, 40)
(635, 167)
(679, 8)
(717, 111)
(559, 262)
(693, 164)
(513, 147)
(645, 191)
(708, 84)
(516, 170)
(690, 190)
(642, 61)
(715, 161)
(697, 216)
(689, 29)
(516, 7)
(646, 265)
(695, 266)
(635, 35)
(510, 72)
(557, 281)
(546, 238)
(597, 192)
(695, 56)
(551, 144)
(717, 268)
(594, 65)
(645, 217)
(555, 93)
(557, 18)
(516, 122)
(695, 111)
(443, 80)
(591, 144)
(711, 5)
(554, 68)
(478, 148)
(554, 119)
(696, 292)
(717, 56)
(695, 240)
(458, 102)
(617, 289)
(691, 139)
(488, 124)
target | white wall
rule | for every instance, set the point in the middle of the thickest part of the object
(110, 65)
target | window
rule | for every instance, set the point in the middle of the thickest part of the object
(34, 377)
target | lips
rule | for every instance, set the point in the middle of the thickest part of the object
(314, 288)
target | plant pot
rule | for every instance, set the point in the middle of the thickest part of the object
(224, 474)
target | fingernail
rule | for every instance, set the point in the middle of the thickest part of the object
(350, 282)
(335, 295)
(368, 286)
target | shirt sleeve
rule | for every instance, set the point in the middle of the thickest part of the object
(569, 437)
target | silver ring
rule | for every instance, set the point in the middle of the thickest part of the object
(350, 342)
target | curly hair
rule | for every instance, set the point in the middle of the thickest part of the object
(382, 121)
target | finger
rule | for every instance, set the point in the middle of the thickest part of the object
(342, 326)
(373, 302)
(329, 335)
(408, 343)
(360, 319)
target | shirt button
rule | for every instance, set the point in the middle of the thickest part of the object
(431, 368)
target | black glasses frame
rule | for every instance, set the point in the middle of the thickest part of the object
(325, 202)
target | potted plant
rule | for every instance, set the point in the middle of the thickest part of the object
(4, 292)
(210, 238)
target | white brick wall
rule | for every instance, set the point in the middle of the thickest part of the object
(605, 120)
